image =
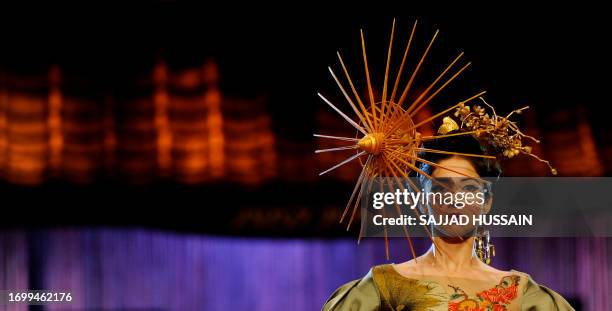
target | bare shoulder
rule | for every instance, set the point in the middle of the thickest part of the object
(412, 267)
(501, 273)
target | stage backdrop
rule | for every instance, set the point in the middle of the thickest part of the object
(134, 269)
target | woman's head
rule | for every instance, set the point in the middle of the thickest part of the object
(457, 176)
(465, 144)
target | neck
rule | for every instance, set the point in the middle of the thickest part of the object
(452, 254)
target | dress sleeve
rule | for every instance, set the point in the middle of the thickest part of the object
(356, 295)
(540, 298)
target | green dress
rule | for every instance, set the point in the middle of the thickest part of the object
(384, 289)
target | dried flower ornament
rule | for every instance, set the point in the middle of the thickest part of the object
(498, 135)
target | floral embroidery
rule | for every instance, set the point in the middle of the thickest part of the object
(398, 293)
(494, 299)
(499, 294)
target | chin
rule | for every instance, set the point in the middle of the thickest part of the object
(455, 231)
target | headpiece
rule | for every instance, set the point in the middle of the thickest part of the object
(388, 142)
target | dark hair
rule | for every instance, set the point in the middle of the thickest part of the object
(461, 144)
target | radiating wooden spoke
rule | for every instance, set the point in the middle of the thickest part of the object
(424, 93)
(401, 68)
(367, 74)
(335, 137)
(416, 70)
(348, 98)
(355, 93)
(415, 110)
(389, 182)
(349, 120)
(369, 185)
(342, 163)
(336, 149)
(384, 92)
(456, 153)
(357, 186)
(416, 212)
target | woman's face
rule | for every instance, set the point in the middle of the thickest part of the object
(463, 182)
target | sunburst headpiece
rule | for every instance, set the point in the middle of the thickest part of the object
(388, 135)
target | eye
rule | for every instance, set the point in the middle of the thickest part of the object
(471, 188)
(437, 188)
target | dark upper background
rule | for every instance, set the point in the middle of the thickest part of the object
(270, 61)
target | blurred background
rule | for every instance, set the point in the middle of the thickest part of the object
(159, 156)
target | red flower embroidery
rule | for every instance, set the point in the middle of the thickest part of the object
(499, 295)
(454, 306)
(494, 299)
(499, 308)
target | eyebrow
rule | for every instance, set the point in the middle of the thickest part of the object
(462, 179)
